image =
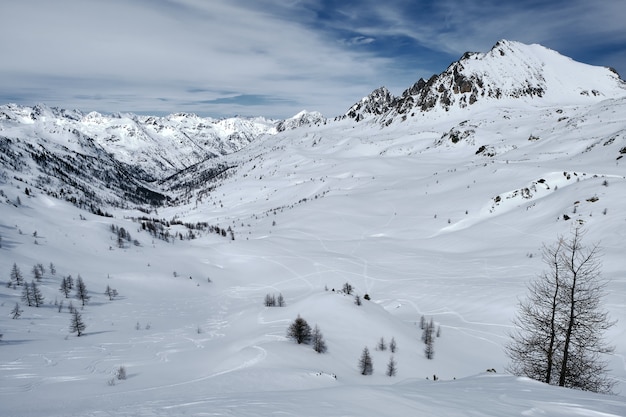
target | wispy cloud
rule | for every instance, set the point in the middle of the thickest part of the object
(269, 57)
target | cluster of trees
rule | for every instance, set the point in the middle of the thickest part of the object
(16, 278)
(301, 333)
(273, 301)
(67, 284)
(428, 336)
(366, 363)
(559, 326)
(159, 228)
(33, 297)
(123, 236)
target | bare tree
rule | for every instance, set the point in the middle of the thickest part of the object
(558, 336)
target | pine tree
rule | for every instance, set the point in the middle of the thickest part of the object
(27, 295)
(53, 270)
(37, 296)
(16, 312)
(110, 292)
(70, 282)
(366, 366)
(393, 346)
(429, 340)
(381, 344)
(81, 290)
(76, 324)
(65, 287)
(37, 272)
(270, 300)
(280, 301)
(317, 339)
(391, 367)
(357, 300)
(299, 331)
(16, 276)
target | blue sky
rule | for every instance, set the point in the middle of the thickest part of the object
(271, 57)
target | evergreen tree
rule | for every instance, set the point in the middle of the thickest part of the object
(70, 282)
(270, 300)
(76, 324)
(429, 340)
(37, 296)
(317, 339)
(366, 366)
(37, 274)
(53, 270)
(81, 290)
(110, 292)
(280, 301)
(299, 330)
(391, 367)
(381, 344)
(16, 276)
(16, 312)
(27, 295)
(357, 300)
(65, 287)
(393, 346)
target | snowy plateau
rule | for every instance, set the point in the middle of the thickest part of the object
(434, 204)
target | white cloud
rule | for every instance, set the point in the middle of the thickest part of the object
(129, 54)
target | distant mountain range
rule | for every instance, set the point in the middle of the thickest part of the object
(117, 159)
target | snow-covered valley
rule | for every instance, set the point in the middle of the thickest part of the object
(440, 215)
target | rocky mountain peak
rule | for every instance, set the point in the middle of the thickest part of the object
(510, 70)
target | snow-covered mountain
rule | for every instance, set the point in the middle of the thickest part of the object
(509, 71)
(441, 214)
(93, 159)
(304, 118)
(159, 145)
